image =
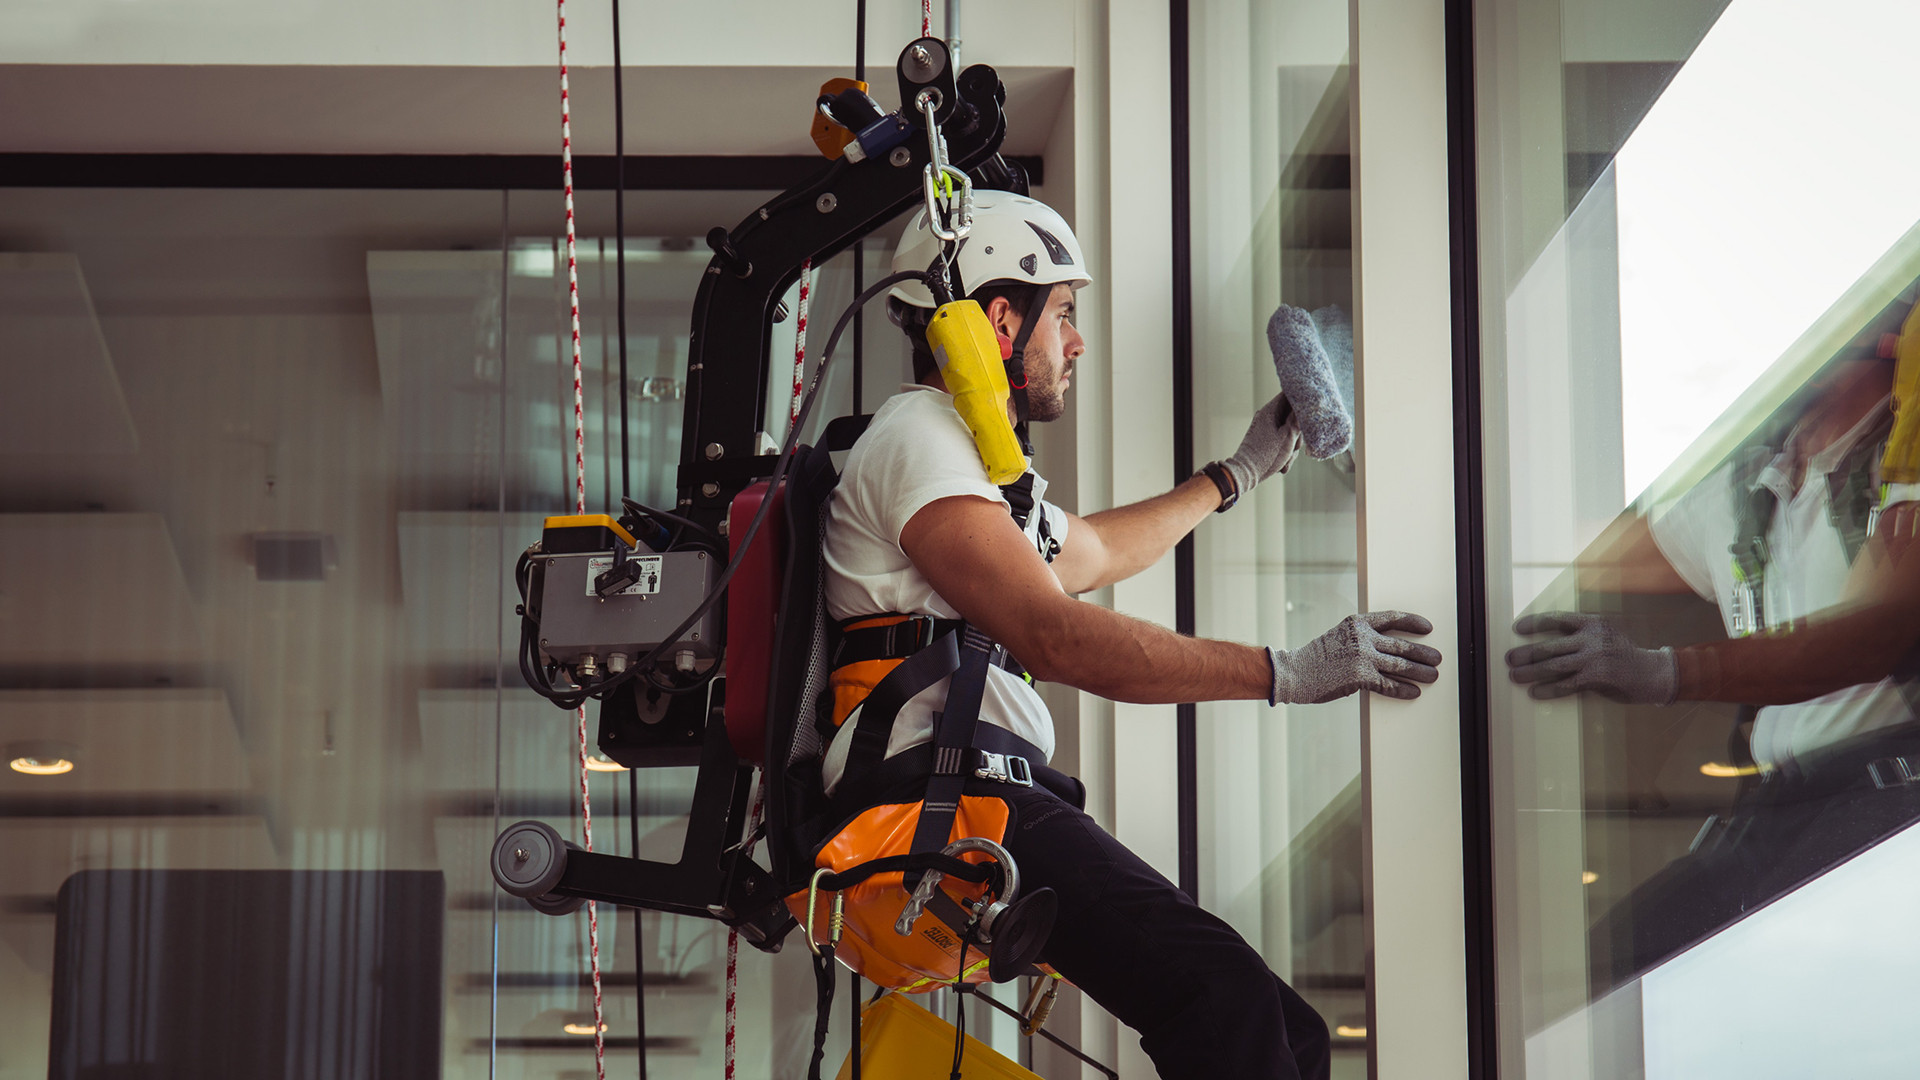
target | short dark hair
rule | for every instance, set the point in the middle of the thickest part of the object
(912, 321)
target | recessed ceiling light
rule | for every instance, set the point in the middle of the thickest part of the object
(41, 758)
(577, 1028)
(1350, 1031)
(1715, 769)
(598, 762)
(1588, 877)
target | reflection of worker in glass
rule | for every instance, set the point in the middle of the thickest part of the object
(917, 528)
(1808, 551)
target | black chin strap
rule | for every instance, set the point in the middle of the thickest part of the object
(1017, 367)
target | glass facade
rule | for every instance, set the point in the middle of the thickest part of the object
(266, 457)
(1279, 789)
(1699, 247)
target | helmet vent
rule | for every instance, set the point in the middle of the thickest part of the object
(1056, 250)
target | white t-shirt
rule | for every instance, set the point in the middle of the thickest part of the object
(1806, 573)
(915, 451)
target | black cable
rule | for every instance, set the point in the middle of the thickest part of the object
(1045, 1034)
(859, 270)
(626, 477)
(684, 523)
(620, 284)
(960, 1001)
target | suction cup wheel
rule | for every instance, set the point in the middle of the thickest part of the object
(556, 904)
(529, 859)
(1020, 933)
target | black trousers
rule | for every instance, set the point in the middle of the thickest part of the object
(1204, 1002)
(1778, 836)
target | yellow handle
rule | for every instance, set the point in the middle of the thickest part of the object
(969, 358)
(1901, 465)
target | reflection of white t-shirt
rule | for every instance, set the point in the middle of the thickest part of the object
(915, 451)
(1806, 573)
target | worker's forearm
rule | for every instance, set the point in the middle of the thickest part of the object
(1140, 534)
(1812, 659)
(1122, 658)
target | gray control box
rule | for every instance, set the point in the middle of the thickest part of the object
(576, 622)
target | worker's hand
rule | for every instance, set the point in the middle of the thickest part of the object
(1267, 449)
(1589, 653)
(1356, 655)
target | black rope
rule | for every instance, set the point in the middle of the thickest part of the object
(1045, 1034)
(853, 1002)
(626, 485)
(823, 979)
(967, 939)
(620, 254)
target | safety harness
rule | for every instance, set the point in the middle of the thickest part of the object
(918, 881)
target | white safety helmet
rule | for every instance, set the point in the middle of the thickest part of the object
(1014, 238)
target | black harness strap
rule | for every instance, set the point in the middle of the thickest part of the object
(877, 712)
(953, 746)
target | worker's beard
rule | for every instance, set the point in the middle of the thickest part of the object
(1045, 398)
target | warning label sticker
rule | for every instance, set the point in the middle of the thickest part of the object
(646, 566)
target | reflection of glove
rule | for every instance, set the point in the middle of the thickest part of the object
(1591, 655)
(1355, 655)
(1268, 448)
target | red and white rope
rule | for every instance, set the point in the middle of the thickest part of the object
(926, 18)
(800, 343)
(733, 938)
(580, 507)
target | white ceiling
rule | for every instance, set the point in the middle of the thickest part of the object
(172, 108)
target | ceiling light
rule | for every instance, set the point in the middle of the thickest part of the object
(578, 1028)
(1715, 769)
(40, 758)
(598, 762)
(1350, 1031)
(1588, 877)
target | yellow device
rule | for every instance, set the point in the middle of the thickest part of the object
(970, 364)
(899, 1040)
(1901, 465)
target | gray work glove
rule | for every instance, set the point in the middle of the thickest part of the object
(1267, 449)
(1589, 653)
(1355, 655)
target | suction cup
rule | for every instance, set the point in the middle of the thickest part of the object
(1019, 933)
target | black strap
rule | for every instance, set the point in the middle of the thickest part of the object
(911, 863)
(916, 673)
(953, 745)
(893, 642)
(903, 777)
(1017, 367)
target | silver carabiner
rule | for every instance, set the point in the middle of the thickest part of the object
(923, 893)
(836, 920)
(949, 224)
(949, 218)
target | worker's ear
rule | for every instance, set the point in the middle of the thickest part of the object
(1005, 323)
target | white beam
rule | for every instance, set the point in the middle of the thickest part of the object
(1403, 372)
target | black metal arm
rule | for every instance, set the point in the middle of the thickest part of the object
(754, 264)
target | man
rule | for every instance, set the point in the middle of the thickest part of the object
(1808, 555)
(915, 528)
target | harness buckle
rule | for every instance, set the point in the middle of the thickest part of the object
(1891, 772)
(1005, 769)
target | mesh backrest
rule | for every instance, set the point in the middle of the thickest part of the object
(807, 742)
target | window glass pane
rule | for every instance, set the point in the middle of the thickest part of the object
(266, 460)
(1691, 314)
(1279, 788)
